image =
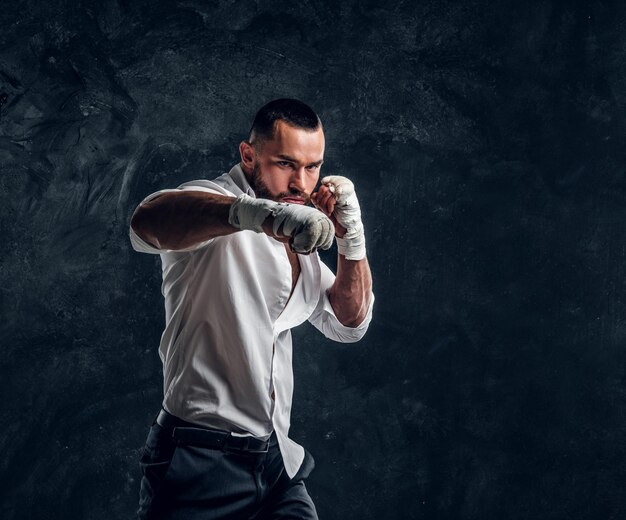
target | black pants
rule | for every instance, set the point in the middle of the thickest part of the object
(192, 483)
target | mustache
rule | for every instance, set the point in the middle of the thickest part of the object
(295, 193)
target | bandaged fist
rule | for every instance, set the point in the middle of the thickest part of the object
(337, 198)
(306, 228)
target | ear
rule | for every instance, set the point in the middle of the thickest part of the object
(248, 156)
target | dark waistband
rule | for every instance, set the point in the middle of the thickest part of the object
(192, 434)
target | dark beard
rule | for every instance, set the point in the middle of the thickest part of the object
(263, 192)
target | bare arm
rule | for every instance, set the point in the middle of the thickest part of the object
(350, 296)
(351, 293)
(181, 219)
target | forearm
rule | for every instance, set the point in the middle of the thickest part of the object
(181, 219)
(351, 293)
(177, 220)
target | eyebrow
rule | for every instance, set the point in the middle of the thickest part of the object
(286, 157)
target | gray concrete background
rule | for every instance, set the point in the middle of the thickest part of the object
(486, 141)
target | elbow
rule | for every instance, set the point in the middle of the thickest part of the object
(353, 312)
(139, 223)
(136, 221)
(355, 325)
(353, 322)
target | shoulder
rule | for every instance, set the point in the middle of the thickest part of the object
(232, 183)
(220, 186)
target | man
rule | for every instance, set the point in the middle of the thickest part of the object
(240, 269)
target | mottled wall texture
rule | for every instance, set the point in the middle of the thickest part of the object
(487, 143)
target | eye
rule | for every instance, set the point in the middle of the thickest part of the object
(313, 167)
(284, 164)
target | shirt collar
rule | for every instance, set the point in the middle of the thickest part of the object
(240, 180)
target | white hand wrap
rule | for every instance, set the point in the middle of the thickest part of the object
(249, 213)
(308, 228)
(348, 213)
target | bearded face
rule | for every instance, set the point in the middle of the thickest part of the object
(262, 191)
(285, 167)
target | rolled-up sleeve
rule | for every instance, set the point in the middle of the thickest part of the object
(142, 246)
(325, 320)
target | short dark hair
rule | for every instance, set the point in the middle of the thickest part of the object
(291, 111)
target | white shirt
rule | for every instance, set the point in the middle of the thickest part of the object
(226, 347)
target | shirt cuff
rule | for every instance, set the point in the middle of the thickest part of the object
(342, 332)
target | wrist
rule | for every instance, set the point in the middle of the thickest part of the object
(352, 244)
(268, 229)
(340, 231)
(247, 213)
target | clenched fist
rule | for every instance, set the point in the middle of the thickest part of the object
(337, 199)
(305, 228)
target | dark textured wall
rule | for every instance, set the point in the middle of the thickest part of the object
(487, 144)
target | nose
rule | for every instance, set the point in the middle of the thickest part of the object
(297, 179)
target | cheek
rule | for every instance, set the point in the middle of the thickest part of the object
(271, 178)
(277, 180)
(311, 183)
